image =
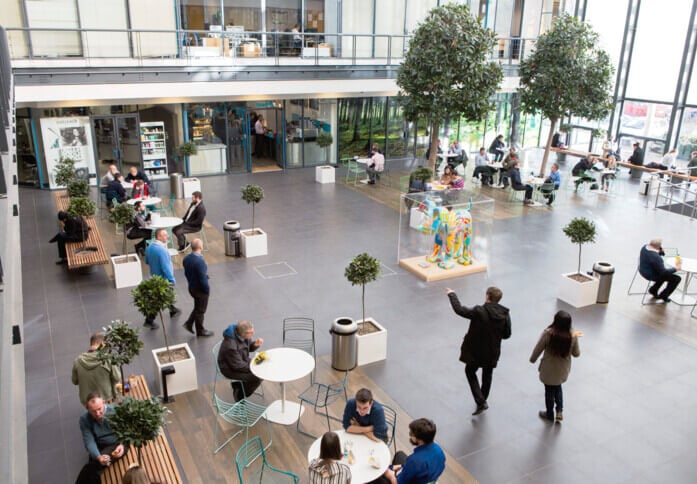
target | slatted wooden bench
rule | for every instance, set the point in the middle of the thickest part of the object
(156, 456)
(672, 174)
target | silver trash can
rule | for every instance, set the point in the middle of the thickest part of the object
(604, 272)
(176, 185)
(231, 232)
(343, 333)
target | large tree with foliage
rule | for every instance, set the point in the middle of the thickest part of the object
(568, 74)
(446, 70)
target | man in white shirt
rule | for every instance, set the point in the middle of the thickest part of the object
(481, 167)
(376, 166)
(259, 134)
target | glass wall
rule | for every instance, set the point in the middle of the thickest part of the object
(687, 141)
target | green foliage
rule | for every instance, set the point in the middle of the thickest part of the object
(122, 214)
(446, 69)
(252, 194)
(152, 296)
(363, 269)
(598, 133)
(138, 422)
(82, 207)
(422, 173)
(78, 188)
(568, 74)
(565, 127)
(187, 149)
(324, 139)
(580, 231)
(121, 345)
(65, 172)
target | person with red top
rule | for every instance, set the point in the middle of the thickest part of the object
(140, 190)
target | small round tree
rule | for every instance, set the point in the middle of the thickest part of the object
(252, 194)
(363, 269)
(82, 207)
(64, 172)
(151, 297)
(187, 149)
(78, 188)
(137, 422)
(122, 215)
(121, 345)
(580, 231)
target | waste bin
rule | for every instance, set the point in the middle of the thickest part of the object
(176, 185)
(231, 232)
(604, 272)
(343, 333)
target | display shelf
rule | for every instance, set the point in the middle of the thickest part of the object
(154, 149)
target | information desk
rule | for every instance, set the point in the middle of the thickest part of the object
(210, 158)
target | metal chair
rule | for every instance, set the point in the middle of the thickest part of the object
(247, 453)
(215, 350)
(354, 169)
(244, 414)
(391, 421)
(544, 190)
(201, 234)
(299, 332)
(321, 395)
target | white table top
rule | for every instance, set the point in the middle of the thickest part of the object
(147, 201)
(536, 180)
(686, 264)
(165, 222)
(608, 172)
(283, 365)
(496, 164)
(361, 470)
(363, 161)
(447, 155)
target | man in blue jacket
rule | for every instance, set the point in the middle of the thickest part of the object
(427, 462)
(363, 415)
(196, 272)
(652, 268)
(160, 262)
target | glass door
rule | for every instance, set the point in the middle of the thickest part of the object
(117, 142)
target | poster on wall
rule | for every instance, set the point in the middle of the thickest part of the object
(69, 138)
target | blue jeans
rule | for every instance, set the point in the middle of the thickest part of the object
(553, 395)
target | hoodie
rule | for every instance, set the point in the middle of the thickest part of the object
(489, 324)
(92, 376)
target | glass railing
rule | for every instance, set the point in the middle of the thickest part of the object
(95, 47)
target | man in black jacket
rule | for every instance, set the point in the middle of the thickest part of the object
(234, 359)
(637, 157)
(74, 230)
(582, 170)
(652, 268)
(481, 347)
(115, 190)
(517, 184)
(193, 220)
(196, 272)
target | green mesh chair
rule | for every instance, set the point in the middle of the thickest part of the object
(218, 374)
(260, 473)
(243, 414)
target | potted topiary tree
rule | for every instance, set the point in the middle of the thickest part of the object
(576, 288)
(64, 172)
(127, 268)
(185, 150)
(371, 340)
(152, 297)
(78, 188)
(137, 422)
(325, 173)
(121, 345)
(253, 241)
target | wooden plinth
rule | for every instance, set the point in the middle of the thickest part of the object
(435, 273)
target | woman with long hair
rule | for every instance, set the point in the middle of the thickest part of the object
(328, 468)
(559, 342)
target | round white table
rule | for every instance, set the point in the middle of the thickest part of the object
(283, 365)
(147, 201)
(689, 267)
(362, 448)
(366, 162)
(165, 222)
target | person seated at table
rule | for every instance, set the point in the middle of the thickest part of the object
(135, 174)
(374, 149)
(115, 191)
(99, 439)
(328, 467)
(652, 268)
(508, 162)
(108, 176)
(140, 190)
(555, 178)
(497, 148)
(610, 148)
(427, 462)
(610, 164)
(451, 179)
(376, 165)
(482, 171)
(139, 228)
(192, 221)
(74, 229)
(461, 158)
(517, 184)
(557, 141)
(582, 170)
(363, 415)
(234, 358)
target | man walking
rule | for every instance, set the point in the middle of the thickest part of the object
(196, 272)
(481, 347)
(91, 376)
(160, 262)
(193, 221)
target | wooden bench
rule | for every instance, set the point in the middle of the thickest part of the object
(672, 174)
(156, 456)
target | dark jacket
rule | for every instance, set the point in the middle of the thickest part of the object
(581, 166)
(496, 146)
(651, 266)
(196, 272)
(138, 176)
(115, 190)
(514, 175)
(489, 324)
(76, 229)
(637, 157)
(233, 357)
(197, 217)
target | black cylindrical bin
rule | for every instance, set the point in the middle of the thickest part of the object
(231, 233)
(604, 272)
(343, 333)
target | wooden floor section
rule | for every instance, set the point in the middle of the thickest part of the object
(191, 428)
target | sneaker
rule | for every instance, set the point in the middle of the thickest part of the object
(544, 415)
(205, 332)
(559, 417)
(189, 327)
(480, 408)
(185, 248)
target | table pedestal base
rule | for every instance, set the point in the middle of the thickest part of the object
(275, 413)
(682, 299)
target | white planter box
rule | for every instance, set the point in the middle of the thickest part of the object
(253, 243)
(129, 273)
(576, 293)
(191, 185)
(184, 379)
(324, 174)
(371, 347)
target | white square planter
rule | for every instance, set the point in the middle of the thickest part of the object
(324, 174)
(578, 294)
(127, 270)
(184, 379)
(371, 347)
(253, 243)
(191, 185)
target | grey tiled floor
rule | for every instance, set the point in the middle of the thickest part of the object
(630, 403)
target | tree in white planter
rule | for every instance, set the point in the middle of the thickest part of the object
(363, 269)
(151, 297)
(580, 231)
(121, 345)
(122, 215)
(252, 194)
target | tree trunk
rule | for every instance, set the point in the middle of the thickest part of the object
(579, 258)
(164, 333)
(124, 241)
(363, 301)
(543, 168)
(140, 455)
(432, 155)
(252, 217)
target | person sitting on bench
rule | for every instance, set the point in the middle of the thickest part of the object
(74, 230)
(582, 171)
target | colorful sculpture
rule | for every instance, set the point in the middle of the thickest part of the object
(453, 234)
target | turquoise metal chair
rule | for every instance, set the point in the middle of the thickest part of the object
(391, 421)
(264, 473)
(354, 170)
(320, 396)
(215, 350)
(299, 333)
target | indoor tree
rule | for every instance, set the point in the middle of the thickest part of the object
(252, 194)
(446, 71)
(137, 422)
(363, 269)
(580, 231)
(151, 297)
(82, 207)
(78, 188)
(567, 74)
(122, 215)
(121, 345)
(64, 172)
